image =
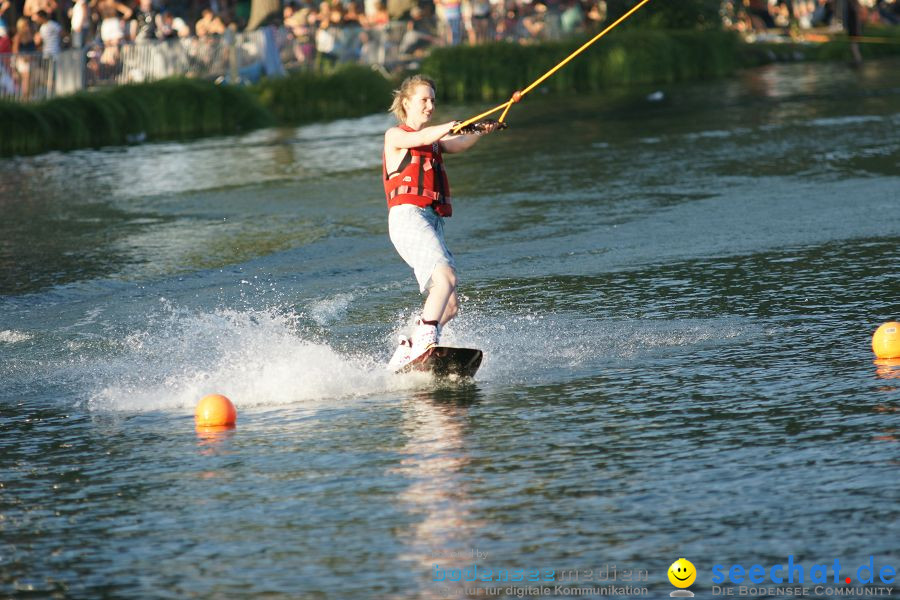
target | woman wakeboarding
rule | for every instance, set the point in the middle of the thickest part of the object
(418, 198)
(418, 193)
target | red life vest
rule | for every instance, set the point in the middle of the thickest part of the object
(419, 179)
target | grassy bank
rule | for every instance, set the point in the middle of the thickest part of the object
(183, 108)
(186, 108)
(351, 91)
(168, 109)
(635, 56)
(494, 71)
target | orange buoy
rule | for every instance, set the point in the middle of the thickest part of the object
(886, 340)
(215, 410)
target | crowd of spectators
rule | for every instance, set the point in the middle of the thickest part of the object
(337, 29)
(314, 34)
(327, 29)
(349, 31)
(763, 19)
(768, 16)
(321, 33)
(50, 25)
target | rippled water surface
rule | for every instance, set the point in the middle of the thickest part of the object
(675, 300)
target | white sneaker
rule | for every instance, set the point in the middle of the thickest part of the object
(402, 355)
(424, 337)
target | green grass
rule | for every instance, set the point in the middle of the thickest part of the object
(187, 108)
(168, 109)
(494, 71)
(351, 91)
(181, 108)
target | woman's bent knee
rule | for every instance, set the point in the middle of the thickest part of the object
(444, 277)
(452, 308)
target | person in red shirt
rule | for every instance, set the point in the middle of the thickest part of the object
(5, 40)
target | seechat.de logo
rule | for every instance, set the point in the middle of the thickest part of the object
(792, 572)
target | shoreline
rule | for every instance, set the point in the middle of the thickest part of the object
(181, 108)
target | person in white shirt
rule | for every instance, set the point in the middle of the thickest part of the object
(48, 35)
(80, 15)
(173, 27)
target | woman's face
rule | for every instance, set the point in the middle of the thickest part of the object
(420, 104)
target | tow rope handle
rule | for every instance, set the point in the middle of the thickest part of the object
(480, 127)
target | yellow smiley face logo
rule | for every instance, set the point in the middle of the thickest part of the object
(682, 573)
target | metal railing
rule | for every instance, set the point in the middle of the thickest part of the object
(26, 76)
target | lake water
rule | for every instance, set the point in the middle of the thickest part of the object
(675, 299)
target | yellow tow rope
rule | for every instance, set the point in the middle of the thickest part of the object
(520, 94)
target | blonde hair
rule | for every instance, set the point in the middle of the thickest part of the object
(407, 89)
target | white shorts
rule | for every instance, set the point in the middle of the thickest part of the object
(111, 30)
(418, 235)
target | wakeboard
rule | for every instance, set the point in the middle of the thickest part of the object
(445, 361)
